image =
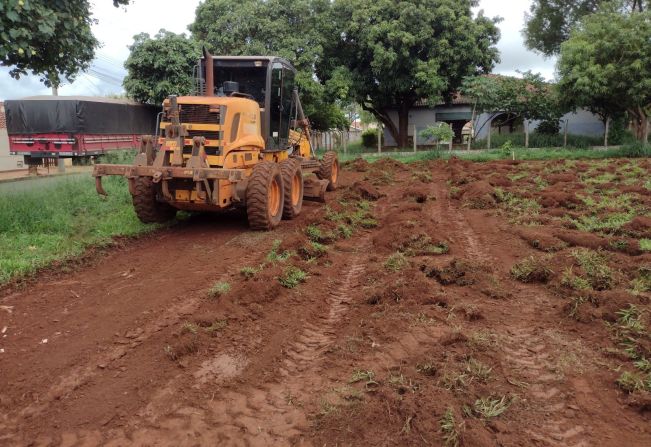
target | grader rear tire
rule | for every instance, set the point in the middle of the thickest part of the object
(147, 207)
(265, 196)
(329, 170)
(293, 186)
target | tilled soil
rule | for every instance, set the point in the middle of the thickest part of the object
(412, 326)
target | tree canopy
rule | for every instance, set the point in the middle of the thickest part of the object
(286, 28)
(160, 66)
(605, 66)
(529, 97)
(50, 39)
(388, 55)
(549, 22)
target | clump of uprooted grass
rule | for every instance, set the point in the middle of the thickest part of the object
(533, 269)
(41, 225)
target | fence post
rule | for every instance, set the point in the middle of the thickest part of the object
(415, 139)
(565, 133)
(606, 132)
(344, 136)
(379, 139)
(490, 131)
(526, 134)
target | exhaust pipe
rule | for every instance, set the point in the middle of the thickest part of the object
(210, 73)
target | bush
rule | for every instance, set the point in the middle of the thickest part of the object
(369, 138)
(548, 128)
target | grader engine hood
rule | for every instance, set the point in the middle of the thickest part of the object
(226, 123)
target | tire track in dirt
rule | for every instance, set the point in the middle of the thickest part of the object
(81, 375)
(270, 413)
(527, 352)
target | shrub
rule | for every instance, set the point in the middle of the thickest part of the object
(369, 138)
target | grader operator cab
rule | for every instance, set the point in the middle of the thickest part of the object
(245, 142)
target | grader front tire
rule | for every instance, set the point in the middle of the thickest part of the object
(293, 185)
(147, 207)
(265, 196)
(329, 170)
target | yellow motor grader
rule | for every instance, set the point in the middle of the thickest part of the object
(245, 142)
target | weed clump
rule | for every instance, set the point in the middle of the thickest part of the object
(395, 262)
(275, 256)
(292, 277)
(450, 429)
(595, 265)
(218, 289)
(250, 272)
(532, 269)
(488, 407)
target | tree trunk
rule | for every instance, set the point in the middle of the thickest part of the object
(472, 125)
(403, 126)
(646, 131)
(606, 133)
(526, 134)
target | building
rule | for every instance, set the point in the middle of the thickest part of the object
(459, 115)
(7, 162)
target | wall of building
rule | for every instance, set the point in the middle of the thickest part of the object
(580, 122)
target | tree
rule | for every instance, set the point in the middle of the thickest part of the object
(605, 67)
(387, 55)
(549, 22)
(50, 39)
(529, 97)
(286, 28)
(160, 66)
(439, 132)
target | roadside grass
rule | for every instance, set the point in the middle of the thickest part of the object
(634, 150)
(61, 221)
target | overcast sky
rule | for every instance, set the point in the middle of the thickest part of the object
(117, 26)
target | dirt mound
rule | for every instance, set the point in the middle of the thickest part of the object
(540, 239)
(553, 179)
(357, 165)
(389, 164)
(551, 198)
(582, 239)
(479, 195)
(419, 195)
(499, 180)
(458, 272)
(640, 226)
(367, 191)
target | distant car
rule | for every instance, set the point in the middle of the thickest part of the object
(52, 127)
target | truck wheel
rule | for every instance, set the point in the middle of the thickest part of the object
(264, 196)
(148, 208)
(293, 186)
(329, 170)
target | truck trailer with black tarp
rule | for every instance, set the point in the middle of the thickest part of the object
(46, 127)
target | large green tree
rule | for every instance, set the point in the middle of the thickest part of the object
(286, 28)
(160, 66)
(387, 55)
(605, 66)
(549, 22)
(49, 38)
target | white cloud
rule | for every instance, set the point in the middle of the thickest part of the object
(117, 26)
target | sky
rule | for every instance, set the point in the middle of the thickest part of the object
(117, 26)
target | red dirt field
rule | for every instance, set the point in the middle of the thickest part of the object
(445, 303)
